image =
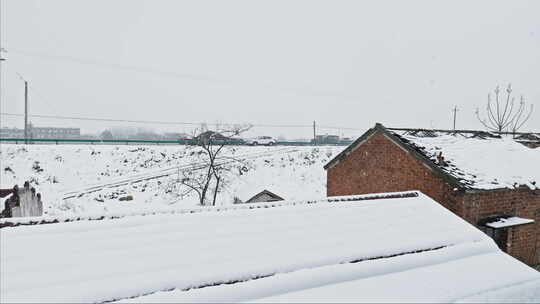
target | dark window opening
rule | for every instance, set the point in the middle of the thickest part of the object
(500, 235)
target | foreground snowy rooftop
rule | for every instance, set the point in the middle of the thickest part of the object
(480, 163)
(406, 249)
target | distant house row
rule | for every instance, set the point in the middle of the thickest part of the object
(41, 132)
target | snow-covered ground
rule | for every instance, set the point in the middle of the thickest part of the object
(93, 178)
(407, 249)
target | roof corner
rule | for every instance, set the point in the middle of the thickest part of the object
(368, 133)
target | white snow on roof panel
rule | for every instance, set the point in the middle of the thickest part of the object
(486, 163)
(509, 222)
(445, 275)
(444, 282)
(117, 259)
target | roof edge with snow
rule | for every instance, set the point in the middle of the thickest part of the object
(417, 152)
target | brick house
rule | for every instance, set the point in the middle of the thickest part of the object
(482, 177)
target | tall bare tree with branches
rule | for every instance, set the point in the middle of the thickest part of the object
(207, 180)
(503, 114)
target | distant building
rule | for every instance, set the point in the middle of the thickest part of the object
(88, 136)
(11, 133)
(326, 139)
(42, 133)
(49, 132)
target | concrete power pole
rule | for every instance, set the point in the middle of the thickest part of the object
(455, 114)
(314, 132)
(1, 57)
(25, 112)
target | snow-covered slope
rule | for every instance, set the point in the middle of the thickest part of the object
(408, 248)
(93, 178)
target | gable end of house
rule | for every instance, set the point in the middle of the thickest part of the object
(398, 141)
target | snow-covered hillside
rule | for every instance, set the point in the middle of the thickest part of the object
(87, 179)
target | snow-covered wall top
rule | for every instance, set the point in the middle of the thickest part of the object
(481, 163)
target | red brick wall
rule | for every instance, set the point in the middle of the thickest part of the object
(380, 165)
(523, 241)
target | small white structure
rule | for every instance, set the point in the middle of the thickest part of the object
(30, 204)
(24, 202)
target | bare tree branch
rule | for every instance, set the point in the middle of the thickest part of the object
(503, 117)
(497, 91)
(211, 176)
(508, 95)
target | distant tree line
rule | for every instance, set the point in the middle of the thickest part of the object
(137, 134)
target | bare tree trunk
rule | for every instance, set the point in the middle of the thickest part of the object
(206, 185)
(216, 190)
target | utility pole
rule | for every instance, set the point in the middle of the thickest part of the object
(25, 112)
(1, 58)
(314, 132)
(455, 114)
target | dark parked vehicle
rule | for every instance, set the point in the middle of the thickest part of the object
(217, 138)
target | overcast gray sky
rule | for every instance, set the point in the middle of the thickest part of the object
(341, 63)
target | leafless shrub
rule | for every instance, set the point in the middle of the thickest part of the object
(503, 114)
(207, 179)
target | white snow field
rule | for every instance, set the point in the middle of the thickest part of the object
(94, 177)
(402, 249)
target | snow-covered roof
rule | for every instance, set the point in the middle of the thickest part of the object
(509, 222)
(472, 159)
(479, 162)
(335, 250)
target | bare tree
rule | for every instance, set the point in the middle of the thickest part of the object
(208, 178)
(503, 114)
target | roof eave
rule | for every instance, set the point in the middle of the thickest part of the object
(501, 189)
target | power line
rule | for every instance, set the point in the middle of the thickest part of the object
(1, 58)
(32, 88)
(125, 67)
(190, 76)
(166, 122)
(340, 128)
(104, 119)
